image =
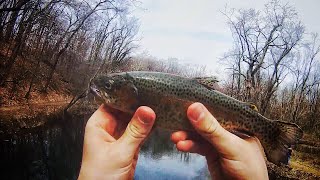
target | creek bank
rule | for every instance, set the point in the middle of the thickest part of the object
(19, 120)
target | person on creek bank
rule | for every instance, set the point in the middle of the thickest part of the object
(111, 145)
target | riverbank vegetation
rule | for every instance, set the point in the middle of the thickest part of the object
(55, 47)
(49, 51)
(274, 64)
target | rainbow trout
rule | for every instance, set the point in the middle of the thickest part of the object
(170, 95)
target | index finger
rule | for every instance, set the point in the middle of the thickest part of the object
(109, 119)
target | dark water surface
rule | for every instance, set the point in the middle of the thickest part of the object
(54, 152)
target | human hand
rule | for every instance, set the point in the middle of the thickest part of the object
(112, 143)
(228, 156)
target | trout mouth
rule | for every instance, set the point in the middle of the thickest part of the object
(94, 90)
(99, 95)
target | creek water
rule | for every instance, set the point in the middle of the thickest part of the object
(54, 152)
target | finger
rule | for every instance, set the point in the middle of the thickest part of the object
(138, 128)
(207, 126)
(102, 124)
(184, 135)
(178, 136)
(121, 120)
(191, 146)
(125, 117)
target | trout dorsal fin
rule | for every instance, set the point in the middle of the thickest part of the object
(208, 82)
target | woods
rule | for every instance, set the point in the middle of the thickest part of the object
(42, 38)
(61, 44)
(273, 63)
(50, 50)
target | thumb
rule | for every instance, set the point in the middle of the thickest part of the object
(138, 128)
(207, 126)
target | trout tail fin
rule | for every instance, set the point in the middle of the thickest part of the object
(276, 145)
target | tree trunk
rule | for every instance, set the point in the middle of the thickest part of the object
(16, 50)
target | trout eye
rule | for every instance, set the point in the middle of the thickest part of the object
(107, 85)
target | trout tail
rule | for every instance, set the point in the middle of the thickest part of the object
(281, 136)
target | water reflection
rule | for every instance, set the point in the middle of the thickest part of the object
(54, 152)
(171, 167)
(159, 159)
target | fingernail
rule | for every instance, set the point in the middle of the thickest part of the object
(145, 119)
(197, 112)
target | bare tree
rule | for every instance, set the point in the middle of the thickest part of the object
(45, 40)
(306, 77)
(72, 29)
(263, 40)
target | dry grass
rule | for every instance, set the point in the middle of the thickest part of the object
(306, 162)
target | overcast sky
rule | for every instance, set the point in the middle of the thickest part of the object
(196, 32)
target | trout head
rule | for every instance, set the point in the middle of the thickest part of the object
(116, 91)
